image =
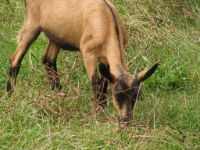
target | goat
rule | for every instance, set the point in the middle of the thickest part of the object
(92, 26)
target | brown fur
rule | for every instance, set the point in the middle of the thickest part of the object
(92, 26)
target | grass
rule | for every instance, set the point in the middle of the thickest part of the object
(167, 116)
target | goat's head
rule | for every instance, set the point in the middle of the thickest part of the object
(126, 89)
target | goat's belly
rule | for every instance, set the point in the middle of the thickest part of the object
(61, 42)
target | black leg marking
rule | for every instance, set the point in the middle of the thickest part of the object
(52, 75)
(99, 86)
(13, 72)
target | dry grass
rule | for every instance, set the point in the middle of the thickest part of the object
(167, 115)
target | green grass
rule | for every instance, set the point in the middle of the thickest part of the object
(167, 115)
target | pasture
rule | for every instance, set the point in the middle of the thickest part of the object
(167, 114)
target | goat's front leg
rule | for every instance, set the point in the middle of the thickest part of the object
(90, 65)
(99, 86)
(49, 60)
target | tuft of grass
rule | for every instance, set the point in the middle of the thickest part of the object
(167, 115)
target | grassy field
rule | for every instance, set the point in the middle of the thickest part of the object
(167, 115)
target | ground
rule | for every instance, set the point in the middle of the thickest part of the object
(167, 114)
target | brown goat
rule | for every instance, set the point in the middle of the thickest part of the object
(92, 26)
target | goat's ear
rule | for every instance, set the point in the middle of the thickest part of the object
(143, 75)
(105, 72)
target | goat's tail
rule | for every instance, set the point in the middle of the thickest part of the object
(25, 3)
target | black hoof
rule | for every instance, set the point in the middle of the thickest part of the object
(56, 87)
(99, 109)
(9, 89)
(102, 102)
(100, 106)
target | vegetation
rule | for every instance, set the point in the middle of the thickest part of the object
(167, 115)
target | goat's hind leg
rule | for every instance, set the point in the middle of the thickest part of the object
(27, 36)
(49, 60)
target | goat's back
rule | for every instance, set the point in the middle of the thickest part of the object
(65, 21)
